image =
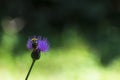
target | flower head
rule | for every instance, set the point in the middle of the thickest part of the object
(36, 42)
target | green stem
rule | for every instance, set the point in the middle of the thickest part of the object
(30, 69)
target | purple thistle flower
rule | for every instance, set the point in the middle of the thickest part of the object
(37, 43)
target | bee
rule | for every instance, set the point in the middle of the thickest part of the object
(34, 42)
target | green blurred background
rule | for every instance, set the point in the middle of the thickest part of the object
(83, 36)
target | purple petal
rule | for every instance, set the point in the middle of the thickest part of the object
(29, 44)
(43, 45)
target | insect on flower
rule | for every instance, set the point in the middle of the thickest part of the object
(36, 42)
(38, 45)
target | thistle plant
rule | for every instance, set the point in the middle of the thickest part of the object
(37, 44)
